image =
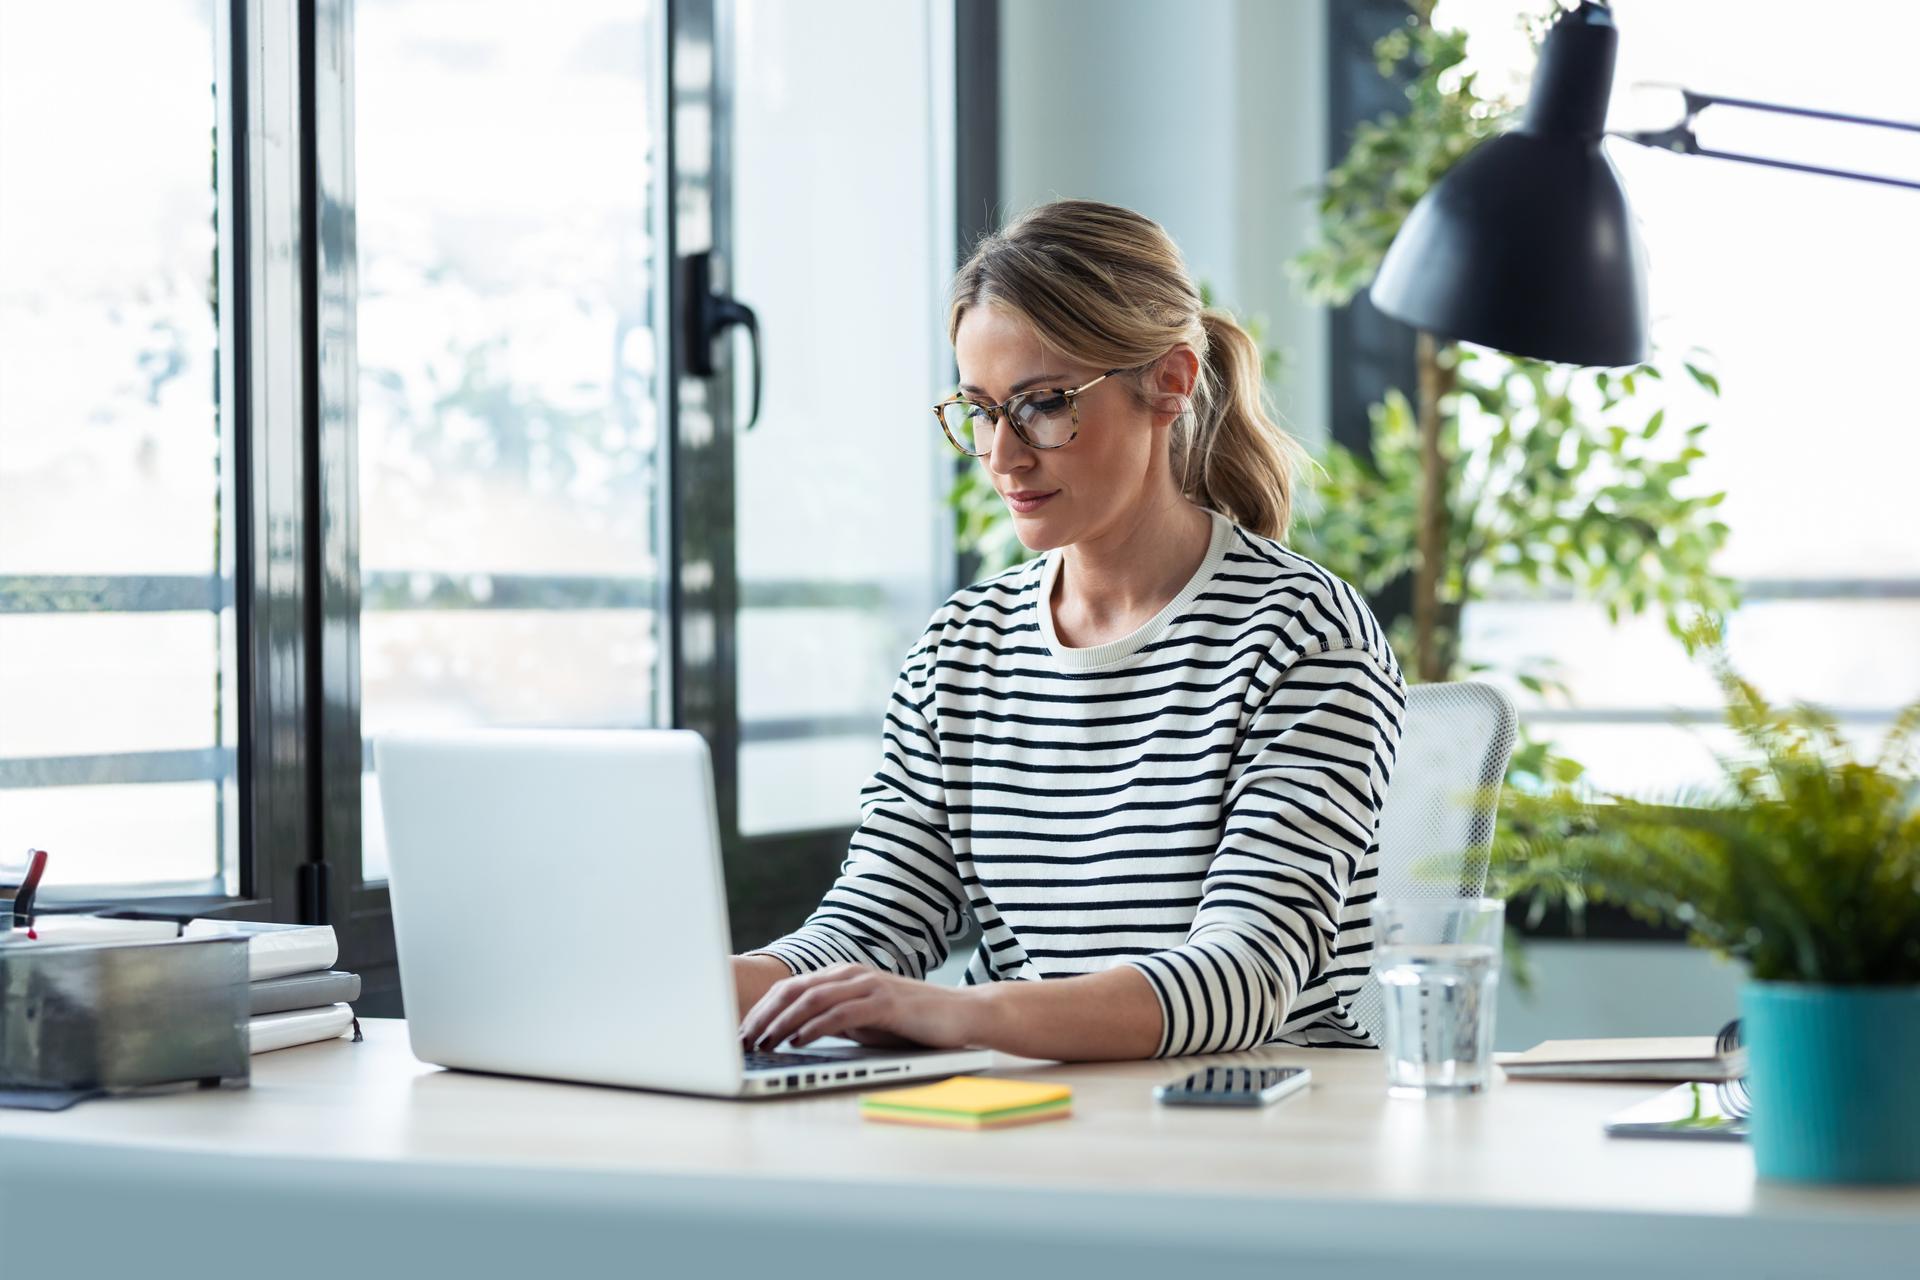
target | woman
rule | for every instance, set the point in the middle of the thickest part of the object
(1151, 761)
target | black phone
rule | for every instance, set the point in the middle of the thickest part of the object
(1234, 1086)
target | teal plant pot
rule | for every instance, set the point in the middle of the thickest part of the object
(1832, 1074)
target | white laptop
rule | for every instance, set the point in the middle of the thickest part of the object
(559, 912)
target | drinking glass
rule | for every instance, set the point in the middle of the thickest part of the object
(1439, 969)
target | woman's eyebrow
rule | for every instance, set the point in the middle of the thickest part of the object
(1019, 386)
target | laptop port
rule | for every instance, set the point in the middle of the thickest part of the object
(839, 1075)
(792, 1081)
(809, 1077)
(860, 1073)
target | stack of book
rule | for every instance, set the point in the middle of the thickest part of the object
(295, 994)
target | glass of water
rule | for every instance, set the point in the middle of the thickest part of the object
(1438, 960)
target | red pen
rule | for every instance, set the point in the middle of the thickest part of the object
(23, 896)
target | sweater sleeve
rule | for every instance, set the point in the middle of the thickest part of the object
(898, 900)
(1301, 807)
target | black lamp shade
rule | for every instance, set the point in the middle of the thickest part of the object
(1527, 245)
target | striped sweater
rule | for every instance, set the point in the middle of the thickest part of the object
(1197, 799)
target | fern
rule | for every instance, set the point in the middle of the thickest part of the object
(1804, 864)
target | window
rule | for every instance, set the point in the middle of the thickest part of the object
(119, 706)
(390, 422)
(843, 242)
(511, 426)
(1800, 286)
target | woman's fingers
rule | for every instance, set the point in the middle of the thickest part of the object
(783, 993)
(809, 1004)
(843, 1016)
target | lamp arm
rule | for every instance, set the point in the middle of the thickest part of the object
(1681, 138)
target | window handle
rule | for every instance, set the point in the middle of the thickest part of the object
(707, 315)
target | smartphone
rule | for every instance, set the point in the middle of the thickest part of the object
(1234, 1086)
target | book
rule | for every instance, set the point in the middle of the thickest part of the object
(1654, 1058)
(270, 1031)
(970, 1102)
(302, 991)
(274, 950)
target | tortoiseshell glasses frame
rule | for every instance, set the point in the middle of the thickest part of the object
(1034, 419)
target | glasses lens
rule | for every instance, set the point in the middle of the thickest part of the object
(1047, 419)
(969, 426)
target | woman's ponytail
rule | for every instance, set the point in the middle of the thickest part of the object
(1229, 454)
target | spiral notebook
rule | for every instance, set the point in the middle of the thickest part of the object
(1696, 1111)
(1672, 1058)
(1716, 1110)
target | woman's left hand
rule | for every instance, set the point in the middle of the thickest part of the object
(865, 1005)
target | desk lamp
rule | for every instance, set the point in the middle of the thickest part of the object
(1528, 245)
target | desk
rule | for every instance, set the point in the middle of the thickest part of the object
(368, 1155)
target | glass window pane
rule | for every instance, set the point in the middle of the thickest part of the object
(116, 654)
(1656, 760)
(161, 835)
(805, 783)
(157, 673)
(841, 244)
(861, 648)
(1858, 653)
(510, 432)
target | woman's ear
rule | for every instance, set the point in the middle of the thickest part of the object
(1170, 383)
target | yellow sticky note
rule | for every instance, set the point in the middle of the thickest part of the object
(968, 1096)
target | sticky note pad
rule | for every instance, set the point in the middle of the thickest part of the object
(970, 1102)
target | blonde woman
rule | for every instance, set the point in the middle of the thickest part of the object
(1149, 762)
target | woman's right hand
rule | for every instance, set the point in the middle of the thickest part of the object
(753, 977)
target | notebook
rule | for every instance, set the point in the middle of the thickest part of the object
(1644, 1058)
(302, 991)
(269, 1031)
(274, 950)
(970, 1102)
(1695, 1111)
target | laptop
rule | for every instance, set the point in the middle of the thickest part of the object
(559, 912)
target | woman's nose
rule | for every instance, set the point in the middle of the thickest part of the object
(1008, 448)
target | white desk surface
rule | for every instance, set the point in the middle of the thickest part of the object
(1333, 1170)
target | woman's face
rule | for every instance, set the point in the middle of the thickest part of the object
(1088, 486)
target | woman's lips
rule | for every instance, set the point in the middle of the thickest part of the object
(1022, 506)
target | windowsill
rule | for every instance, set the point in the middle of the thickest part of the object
(174, 907)
(1598, 923)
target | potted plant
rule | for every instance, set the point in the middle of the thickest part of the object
(1805, 866)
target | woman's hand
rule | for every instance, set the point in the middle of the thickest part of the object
(867, 1006)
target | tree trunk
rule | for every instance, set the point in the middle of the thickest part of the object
(1430, 661)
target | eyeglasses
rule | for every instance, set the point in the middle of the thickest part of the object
(1044, 418)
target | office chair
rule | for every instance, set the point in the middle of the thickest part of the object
(1455, 740)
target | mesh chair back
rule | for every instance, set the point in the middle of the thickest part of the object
(1454, 746)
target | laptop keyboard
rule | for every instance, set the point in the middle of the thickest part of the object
(757, 1059)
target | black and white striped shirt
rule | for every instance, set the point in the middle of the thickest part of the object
(1197, 799)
